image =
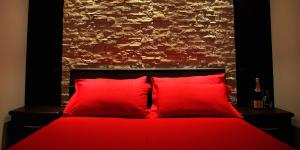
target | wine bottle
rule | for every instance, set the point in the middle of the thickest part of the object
(258, 96)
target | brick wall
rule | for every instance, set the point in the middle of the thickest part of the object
(148, 34)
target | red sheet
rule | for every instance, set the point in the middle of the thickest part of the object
(89, 133)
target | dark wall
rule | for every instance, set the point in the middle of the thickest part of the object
(43, 72)
(44, 44)
(253, 48)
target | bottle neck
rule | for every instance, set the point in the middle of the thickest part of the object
(257, 87)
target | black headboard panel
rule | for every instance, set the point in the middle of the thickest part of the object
(84, 73)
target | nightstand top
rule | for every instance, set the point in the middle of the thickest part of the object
(245, 111)
(54, 110)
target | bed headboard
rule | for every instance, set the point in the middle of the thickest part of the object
(80, 73)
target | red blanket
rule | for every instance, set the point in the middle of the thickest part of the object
(89, 133)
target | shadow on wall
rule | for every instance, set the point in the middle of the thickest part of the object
(4, 136)
(296, 137)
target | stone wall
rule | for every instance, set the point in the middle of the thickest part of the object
(148, 34)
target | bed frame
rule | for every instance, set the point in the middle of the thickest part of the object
(85, 73)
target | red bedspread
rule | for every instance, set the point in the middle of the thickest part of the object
(89, 133)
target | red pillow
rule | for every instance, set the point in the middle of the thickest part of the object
(194, 100)
(209, 79)
(109, 98)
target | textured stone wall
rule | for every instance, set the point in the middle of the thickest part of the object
(148, 34)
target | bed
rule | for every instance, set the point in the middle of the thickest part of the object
(163, 127)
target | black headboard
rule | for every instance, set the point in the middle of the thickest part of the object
(84, 73)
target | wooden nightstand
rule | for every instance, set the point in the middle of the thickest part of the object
(276, 122)
(26, 120)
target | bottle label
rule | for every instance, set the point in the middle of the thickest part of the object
(258, 104)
